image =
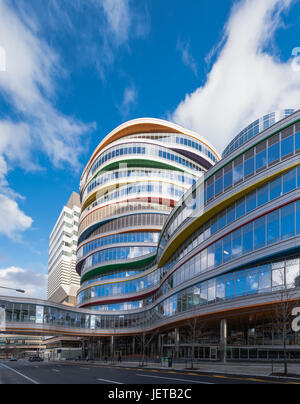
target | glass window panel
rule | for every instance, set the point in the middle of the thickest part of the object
(230, 286)
(265, 279)
(228, 176)
(289, 181)
(273, 149)
(261, 157)
(275, 188)
(248, 238)
(249, 166)
(240, 284)
(240, 208)
(288, 221)
(278, 278)
(292, 275)
(227, 251)
(273, 227)
(251, 202)
(252, 282)
(263, 195)
(231, 215)
(259, 233)
(236, 243)
(287, 146)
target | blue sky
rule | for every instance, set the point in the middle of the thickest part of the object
(75, 69)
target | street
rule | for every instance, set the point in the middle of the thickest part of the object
(24, 372)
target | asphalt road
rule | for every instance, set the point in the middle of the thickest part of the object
(24, 372)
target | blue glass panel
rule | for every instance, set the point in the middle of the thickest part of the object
(251, 202)
(259, 233)
(228, 179)
(287, 221)
(287, 146)
(236, 243)
(230, 286)
(248, 238)
(240, 284)
(230, 215)
(252, 282)
(273, 153)
(289, 181)
(262, 195)
(219, 186)
(240, 208)
(238, 173)
(227, 252)
(249, 167)
(261, 160)
(275, 188)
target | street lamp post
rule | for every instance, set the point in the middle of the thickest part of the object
(16, 290)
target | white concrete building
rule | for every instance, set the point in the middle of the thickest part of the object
(63, 280)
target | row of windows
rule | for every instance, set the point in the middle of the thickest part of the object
(115, 254)
(280, 224)
(159, 188)
(182, 140)
(257, 159)
(142, 219)
(138, 149)
(267, 153)
(272, 190)
(112, 275)
(145, 237)
(255, 128)
(120, 209)
(138, 173)
(266, 278)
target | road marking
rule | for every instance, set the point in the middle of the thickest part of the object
(172, 378)
(20, 374)
(109, 381)
(55, 370)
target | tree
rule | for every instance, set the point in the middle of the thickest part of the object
(196, 327)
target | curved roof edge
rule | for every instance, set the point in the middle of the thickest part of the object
(147, 125)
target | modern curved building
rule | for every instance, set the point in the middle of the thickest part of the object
(199, 252)
(128, 189)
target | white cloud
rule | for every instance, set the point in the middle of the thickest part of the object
(12, 219)
(34, 284)
(245, 82)
(187, 58)
(129, 100)
(28, 86)
(118, 17)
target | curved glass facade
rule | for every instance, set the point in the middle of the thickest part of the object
(147, 173)
(171, 236)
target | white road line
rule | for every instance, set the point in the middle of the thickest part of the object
(55, 370)
(172, 378)
(109, 381)
(20, 374)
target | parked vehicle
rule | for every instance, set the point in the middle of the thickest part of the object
(35, 359)
(13, 359)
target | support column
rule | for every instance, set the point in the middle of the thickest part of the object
(177, 342)
(223, 340)
(112, 347)
(133, 345)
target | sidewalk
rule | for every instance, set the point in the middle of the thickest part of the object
(231, 368)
